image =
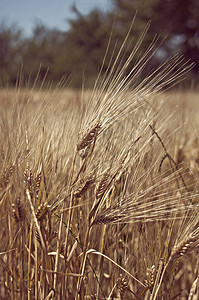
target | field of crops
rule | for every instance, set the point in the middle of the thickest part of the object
(98, 199)
(99, 189)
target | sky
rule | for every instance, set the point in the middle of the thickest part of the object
(52, 13)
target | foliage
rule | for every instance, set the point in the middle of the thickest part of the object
(10, 52)
(78, 53)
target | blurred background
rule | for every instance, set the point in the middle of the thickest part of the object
(68, 39)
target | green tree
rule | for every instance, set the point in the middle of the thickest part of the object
(40, 52)
(178, 20)
(79, 52)
(86, 44)
(10, 53)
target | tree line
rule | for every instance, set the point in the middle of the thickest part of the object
(77, 54)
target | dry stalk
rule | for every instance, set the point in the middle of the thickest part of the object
(158, 280)
(5, 178)
(122, 285)
(83, 263)
(194, 290)
(185, 246)
(178, 252)
(29, 262)
(57, 252)
(102, 186)
(171, 160)
(92, 251)
(35, 219)
(150, 276)
(87, 140)
(85, 184)
(42, 211)
(36, 267)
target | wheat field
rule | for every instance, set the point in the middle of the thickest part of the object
(99, 189)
